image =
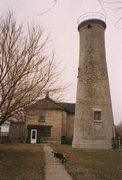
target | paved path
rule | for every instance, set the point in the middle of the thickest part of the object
(54, 170)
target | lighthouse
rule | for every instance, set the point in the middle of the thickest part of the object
(93, 125)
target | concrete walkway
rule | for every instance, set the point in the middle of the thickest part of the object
(54, 170)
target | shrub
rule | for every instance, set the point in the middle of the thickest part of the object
(66, 140)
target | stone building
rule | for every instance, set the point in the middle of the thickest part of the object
(49, 121)
(93, 125)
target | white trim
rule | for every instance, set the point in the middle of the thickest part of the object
(97, 109)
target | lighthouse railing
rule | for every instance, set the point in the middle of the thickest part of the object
(91, 15)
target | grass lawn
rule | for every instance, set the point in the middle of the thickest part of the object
(92, 164)
(21, 162)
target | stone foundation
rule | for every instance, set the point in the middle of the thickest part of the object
(95, 144)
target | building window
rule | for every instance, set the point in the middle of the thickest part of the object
(97, 115)
(45, 131)
(89, 26)
(41, 118)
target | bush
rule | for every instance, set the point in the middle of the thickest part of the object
(4, 139)
(116, 142)
(66, 140)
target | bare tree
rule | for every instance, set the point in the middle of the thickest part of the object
(54, 2)
(26, 71)
(118, 129)
(112, 5)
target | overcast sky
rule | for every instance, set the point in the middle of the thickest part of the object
(61, 24)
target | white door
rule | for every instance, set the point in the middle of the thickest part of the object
(33, 136)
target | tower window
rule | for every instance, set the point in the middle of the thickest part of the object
(89, 26)
(41, 118)
(97, 115)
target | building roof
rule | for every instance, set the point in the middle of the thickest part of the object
(69, 107)
(49, 104)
